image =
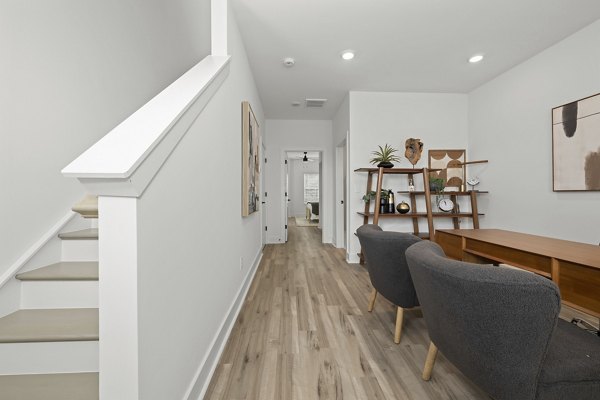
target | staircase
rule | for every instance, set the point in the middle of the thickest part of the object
(49, 347)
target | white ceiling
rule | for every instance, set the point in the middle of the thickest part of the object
(401, 45)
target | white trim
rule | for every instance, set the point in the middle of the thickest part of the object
(322, 209)
(339, 195)
(352, 258)
(202, 378)
(17, 265)
(150, 133)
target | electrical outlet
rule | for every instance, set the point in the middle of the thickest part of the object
(241, 263)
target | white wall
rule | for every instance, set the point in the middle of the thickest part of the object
(341, 122)
(510, 124)
(195, 251)
(439, 120)
(70, 72)
(300, 135)
(297, 169)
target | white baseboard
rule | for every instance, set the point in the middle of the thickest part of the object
(352, 258)
(202, 378)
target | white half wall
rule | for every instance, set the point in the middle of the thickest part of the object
(296, 135)
(195, 250)
(510, 124)
(72, 71)
(376, 118)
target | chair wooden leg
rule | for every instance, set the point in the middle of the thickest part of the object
(372, 300)
(430, 361)
(399, 320)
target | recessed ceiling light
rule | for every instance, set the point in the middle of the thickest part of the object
(476, 58)
(348, 54)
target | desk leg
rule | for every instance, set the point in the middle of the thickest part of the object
(474, 209)
(555, 270)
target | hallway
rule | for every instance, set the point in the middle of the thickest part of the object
(304, 333)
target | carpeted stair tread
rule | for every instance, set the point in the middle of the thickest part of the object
(78, 386)
(63, 271)
(51, 325)
(84, 234)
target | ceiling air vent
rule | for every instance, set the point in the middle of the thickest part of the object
(315, 102)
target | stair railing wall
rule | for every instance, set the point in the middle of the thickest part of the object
(175, 263)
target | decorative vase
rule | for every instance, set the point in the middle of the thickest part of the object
(385, 164)
(403, 207)
(383, 206)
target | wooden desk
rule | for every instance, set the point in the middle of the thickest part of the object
(573, 266)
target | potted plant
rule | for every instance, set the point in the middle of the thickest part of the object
(436, 185)
(385, 156)
(372, 194)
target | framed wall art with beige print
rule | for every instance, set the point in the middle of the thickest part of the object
(250, 161)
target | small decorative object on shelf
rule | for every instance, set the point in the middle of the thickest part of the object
(372, 195)
(383, 205)
(390, 202)
(414, 148)
(403, 207)
(384, 156)
(473, 182)
(445, 205)
(436, 184)
(411, 184)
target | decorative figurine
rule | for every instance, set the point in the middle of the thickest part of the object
(414, 148)
(473, 182)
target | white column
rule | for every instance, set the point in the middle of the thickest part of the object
(118, 298)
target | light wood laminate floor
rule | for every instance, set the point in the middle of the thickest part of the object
(304, 333)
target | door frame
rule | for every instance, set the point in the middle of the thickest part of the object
(264, 199)
(322, 156)
(341, 176)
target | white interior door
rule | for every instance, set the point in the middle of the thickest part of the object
(264, 197)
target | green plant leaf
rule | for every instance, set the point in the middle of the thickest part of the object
(384, 154)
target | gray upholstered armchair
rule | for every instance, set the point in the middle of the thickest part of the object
(388, 271)
(500, 327)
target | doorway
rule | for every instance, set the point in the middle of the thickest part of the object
(303, 188)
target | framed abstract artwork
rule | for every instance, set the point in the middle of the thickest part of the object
(576, 145)
(250, 161)
(450, 164)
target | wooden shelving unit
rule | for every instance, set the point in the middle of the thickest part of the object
(410, 173)
(454, 214)
(414, 214)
